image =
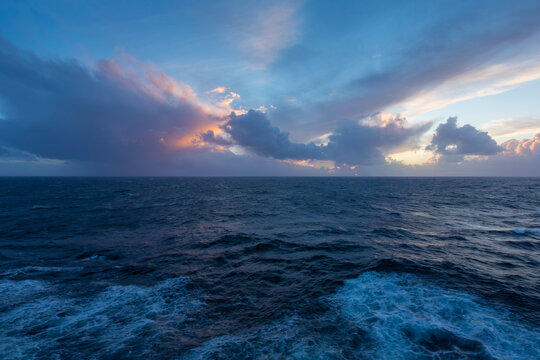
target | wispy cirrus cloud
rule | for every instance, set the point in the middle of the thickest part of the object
(504, 128)
(455, 60)
(479, 82)
(275, 27)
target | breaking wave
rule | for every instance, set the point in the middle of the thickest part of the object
(120, 322)
(387, 316)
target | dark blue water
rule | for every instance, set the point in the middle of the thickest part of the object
(269, 268)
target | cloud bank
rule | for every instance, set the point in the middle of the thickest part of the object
(353, 143)
(130, 114)
(123, 117)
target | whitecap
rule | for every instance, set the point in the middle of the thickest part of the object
(12, 291)
(95, 257)
(526, 231)
(385, 316)
(289, 338)
(122, 321)
(42, 207)
(407, 318)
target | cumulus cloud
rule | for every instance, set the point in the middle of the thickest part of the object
(523, 147)
(453, 142)
(254, 132)
(367, 143)
(210, 137)
(120, 112)
(352, 143)
(518, 158)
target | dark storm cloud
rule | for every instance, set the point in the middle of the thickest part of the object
(352, 143)
(210, 137)
(455, 142)
(60, 109)
(254, 131)
(357, 144)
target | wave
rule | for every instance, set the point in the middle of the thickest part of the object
(122, 321)
(43, 207)
(526, 231)
(408, 318)
(34, 270)
(13, 292)
(386, 316)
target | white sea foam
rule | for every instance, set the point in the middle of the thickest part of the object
(408, 318)
(42, 207)
(95, 257)
(113, 323)
(386, 316)
(290, 338)
(375, 316)
(12, 291)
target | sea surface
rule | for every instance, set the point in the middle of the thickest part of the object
(269, 268)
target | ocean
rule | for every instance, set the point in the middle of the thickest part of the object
(269, 268)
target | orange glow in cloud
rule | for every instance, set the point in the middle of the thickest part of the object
(218, 90)
(318, 164)
(523, 146)
(193, 138)
(153, 82)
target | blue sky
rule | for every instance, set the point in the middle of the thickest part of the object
(337, 88)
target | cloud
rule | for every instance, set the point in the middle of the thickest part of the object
(518, 158)
(523, 147)
(218, 90)
(453, 142)
(210, 137)
(512, 127)
(479, 82)
(132, 118)
(352, 143)
(120, 112)
(368, 142)
(12, 155)
(478, 52)
(254, 132)
(276, 29)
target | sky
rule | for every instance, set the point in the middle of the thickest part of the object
(251, 88)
